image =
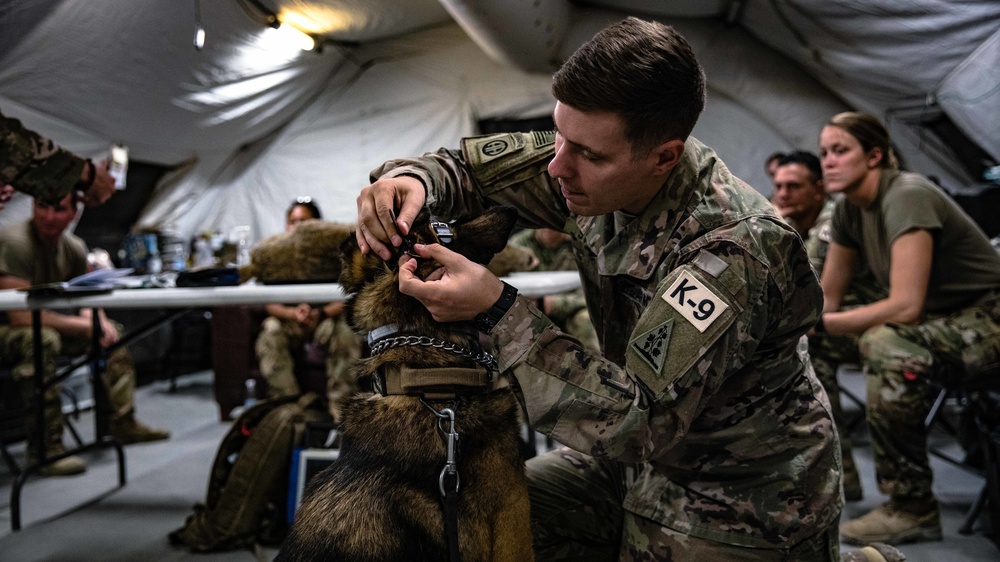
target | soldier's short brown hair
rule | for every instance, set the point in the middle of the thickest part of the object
(645, 72)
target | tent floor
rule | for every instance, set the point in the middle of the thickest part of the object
(86, 518)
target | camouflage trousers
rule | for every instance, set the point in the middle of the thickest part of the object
(278, 338)
(16, 350)
(577, 514)
(901, 364)
(827, 354)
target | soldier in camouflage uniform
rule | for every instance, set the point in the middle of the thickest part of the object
(701, 433)
(38, 167)
(290, 327)
(39, 251)
(799, 197)
(939, 322)
(555, 253)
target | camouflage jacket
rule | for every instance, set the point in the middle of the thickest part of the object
(699, 304)
(35, 165)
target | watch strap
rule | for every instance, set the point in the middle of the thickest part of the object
(486, 321)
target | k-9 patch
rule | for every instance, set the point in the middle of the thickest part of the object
(696, 302)
(688, 314)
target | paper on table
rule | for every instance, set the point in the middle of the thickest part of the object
(97, 281)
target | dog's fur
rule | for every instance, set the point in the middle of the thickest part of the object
(380, 501)
(311, 253)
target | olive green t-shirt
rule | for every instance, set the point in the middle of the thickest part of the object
(964, 265)
(23, 255)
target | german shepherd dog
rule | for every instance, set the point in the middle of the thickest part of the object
(430, 466)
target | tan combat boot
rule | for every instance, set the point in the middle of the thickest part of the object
(128, 430)
(891, 525)
(63, 467)
(53, 446)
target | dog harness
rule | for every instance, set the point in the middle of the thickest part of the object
(435, 383)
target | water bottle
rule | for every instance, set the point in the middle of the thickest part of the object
(118, 165)
(251, 396)
(154, 266)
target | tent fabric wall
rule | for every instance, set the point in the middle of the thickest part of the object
(426, 98)
(251, 127)
(971, 95)
(886, 56)
(131, 73)
(434, 95)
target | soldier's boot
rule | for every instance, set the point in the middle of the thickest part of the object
(875, 552)
(53, 447)
(52, 436)
(852, 480)
(895, 523)
(127, 430)
(63, 467)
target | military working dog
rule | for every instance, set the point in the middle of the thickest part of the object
(430, 461)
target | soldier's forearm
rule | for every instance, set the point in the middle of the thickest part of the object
(34, 164)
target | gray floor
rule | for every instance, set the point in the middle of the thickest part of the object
(87, 518)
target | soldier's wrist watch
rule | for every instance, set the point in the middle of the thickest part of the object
(486, 321)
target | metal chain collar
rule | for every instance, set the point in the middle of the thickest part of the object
(484, 359)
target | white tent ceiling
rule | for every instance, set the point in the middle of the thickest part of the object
(255, 124)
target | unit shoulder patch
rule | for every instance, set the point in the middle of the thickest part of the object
(487, 149)
(498, 160)
(652, 345)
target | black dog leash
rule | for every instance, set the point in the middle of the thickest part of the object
(449, 475)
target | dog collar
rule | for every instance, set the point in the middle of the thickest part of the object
(436, 383)
(392, 330)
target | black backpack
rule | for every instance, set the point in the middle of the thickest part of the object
(248, 485)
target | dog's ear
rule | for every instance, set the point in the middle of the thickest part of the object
(482, 237)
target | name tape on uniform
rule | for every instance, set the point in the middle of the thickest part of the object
(697, 303)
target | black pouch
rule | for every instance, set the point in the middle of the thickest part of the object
(209, 277)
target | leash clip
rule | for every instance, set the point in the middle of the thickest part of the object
(450, 469)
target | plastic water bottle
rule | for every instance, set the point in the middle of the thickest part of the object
(251, 396)
(155, 265)
(118, 165)
(249, 399)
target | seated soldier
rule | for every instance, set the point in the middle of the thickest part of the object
(291, 327)
(567, 310)
(41, 250)
(937, 324)
(801, 200)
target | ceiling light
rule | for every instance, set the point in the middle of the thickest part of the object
(199, 30)
(294, 36)
(199, 37)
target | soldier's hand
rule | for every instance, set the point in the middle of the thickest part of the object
(103, 187)
(109, 333)
(302, 313)
(6, 193)
(458, 290)
(379, 227)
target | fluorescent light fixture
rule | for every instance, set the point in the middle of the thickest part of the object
(199, 37)
(294, 36)
(199, 30)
